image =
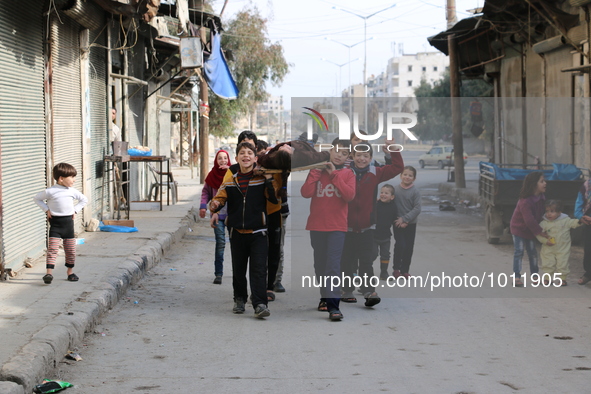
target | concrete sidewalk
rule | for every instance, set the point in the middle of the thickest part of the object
(40, 323)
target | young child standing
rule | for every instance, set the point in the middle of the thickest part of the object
(58, 202)
(408, 207)
(330, 190)
(385, 218)
(246, 195)
(213, 181)
(556, 249)
(359, 242)
(525, 223)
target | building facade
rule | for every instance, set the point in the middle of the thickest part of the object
(63, 65)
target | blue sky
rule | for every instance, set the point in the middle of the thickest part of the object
(307, 30)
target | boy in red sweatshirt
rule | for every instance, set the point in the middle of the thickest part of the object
(359, 242)
(330, 190)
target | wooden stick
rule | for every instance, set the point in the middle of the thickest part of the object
(304, 168)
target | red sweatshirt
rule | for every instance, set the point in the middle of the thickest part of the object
(330, 197)
(361, 209)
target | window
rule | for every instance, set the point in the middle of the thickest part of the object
(409, 68)
(424, 69)
(409, 83)
(434, 68)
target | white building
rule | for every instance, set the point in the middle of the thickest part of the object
(274, 104)
(404, 73)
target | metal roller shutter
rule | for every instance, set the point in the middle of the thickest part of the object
(66, 98)
(99, 113)
(22, 129)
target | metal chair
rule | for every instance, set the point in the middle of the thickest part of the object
(167, 181)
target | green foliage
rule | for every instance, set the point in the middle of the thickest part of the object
(256, 61)
(434, 114)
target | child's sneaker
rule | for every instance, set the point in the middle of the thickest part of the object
(372, 299)
(238, 306)
(47, 279)
(261, 311)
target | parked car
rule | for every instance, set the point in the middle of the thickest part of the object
(440, 156)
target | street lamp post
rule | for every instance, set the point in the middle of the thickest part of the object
(349, 89)
(340, 66)
(365, 18)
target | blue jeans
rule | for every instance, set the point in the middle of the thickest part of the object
(220, 246)
(530, 246)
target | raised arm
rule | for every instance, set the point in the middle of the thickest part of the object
(309, 187)
(344, 181)
(390, 170)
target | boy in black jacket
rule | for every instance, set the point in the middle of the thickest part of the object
(246, 195)
(385, 216)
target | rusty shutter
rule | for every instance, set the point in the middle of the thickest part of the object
(22, 129)
(66, 100)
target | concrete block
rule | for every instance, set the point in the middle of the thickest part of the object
(11, 388)
(88, 313)
(30, 366)
(56, 336)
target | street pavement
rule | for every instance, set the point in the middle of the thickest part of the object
(40, 323)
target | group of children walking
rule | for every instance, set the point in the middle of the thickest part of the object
(344, 232)
(536, 219)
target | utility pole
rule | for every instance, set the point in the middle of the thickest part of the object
(365, 18)
(204, 123)
(456, 115)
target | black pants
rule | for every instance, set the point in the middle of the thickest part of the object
(358, 247)
(253, 247)
(383, 248)
(274, 256)
(587, 250)
(403, 249)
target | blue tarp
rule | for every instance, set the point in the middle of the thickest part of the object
(116, 229)
(217, 73)
(560, 172)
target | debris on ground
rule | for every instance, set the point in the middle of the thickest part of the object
(73, 356)
(446, 206)
(51, 386)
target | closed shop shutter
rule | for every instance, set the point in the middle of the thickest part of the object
(66, 98)
(22, 129)
(99, 114)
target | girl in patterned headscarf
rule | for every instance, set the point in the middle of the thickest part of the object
(214, 179)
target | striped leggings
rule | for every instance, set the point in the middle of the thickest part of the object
(53, 247)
